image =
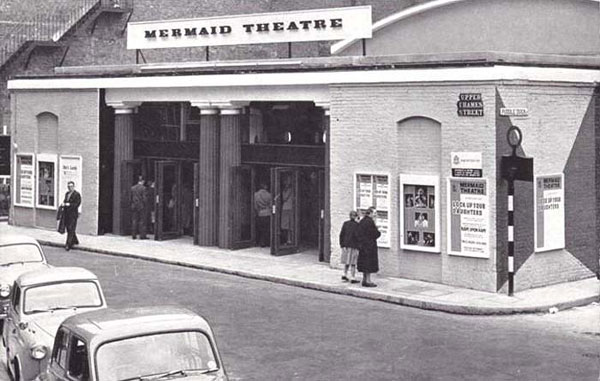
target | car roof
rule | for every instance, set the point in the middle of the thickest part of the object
(54, 274)
(12, 239)
(114, 323)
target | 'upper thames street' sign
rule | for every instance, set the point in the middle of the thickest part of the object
(260, 28)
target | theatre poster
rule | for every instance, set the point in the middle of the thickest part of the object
(419, 213)
(70, 170)
(374, 190)
(468, 215)
(25, 173)
(549, 195)
(46, 182)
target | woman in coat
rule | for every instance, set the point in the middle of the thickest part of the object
(367, 234)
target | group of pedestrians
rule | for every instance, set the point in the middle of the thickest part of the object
(358, 240)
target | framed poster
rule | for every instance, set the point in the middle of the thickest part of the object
(374, 190)
(549, 216)
(46, 182)
(468, 217)
(24, 175)
(419, 213)
(70, 169)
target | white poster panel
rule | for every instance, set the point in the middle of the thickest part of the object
(549, 195)
(260, 28)
(374, 190)
(25, 173)
(70, 170)
(466, 164)
(419, 213)
(364, 185)
(468, 217)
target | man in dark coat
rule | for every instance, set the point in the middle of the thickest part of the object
(137, 198)
(349, 245)
(367, 234)
(70, 214)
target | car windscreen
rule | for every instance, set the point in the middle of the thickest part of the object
(18, 253)
(155, 354)
(57, 296)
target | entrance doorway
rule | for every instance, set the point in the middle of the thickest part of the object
(297, 199)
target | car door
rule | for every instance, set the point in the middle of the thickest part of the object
(57, 367)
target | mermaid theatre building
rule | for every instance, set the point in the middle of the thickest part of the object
(409, 115)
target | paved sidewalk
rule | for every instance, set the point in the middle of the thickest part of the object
(304, 270)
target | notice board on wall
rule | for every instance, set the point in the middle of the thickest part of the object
(374, 190)
(468, 217)
(70, 170)
(419, 213)
(24, 174)
(549, 195)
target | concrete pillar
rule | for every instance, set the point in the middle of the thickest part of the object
(230, 156)
(123, 150)
(208, 176)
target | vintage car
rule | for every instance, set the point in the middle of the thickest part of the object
(41, 300)
(144, 343)
(18, 254)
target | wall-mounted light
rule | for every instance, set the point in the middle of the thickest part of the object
(287, 137)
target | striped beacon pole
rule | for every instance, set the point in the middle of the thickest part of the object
(511, 236)
(514, 138)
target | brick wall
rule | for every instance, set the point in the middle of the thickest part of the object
(559, 134)
(365, 138)
(77, 113)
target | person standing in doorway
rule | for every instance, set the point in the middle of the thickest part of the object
(349, 245)
(137, 199)
(71, 214)
(262, 204)
(367, 234)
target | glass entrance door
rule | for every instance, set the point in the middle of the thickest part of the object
(167, 200)
(285, 220)
(242, 216)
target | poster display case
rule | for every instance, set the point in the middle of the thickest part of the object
(374, 190)
(24, 192)
(468, 217)
(70, 169)
(549, 216)
(46, 182)
(419, 213)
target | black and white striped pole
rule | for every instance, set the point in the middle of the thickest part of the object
(511, 236)
(514, 168)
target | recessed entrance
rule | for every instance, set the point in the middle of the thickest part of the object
(281, 145)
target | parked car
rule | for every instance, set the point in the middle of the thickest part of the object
(41, 300)
(146, 343)
(18, 254)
